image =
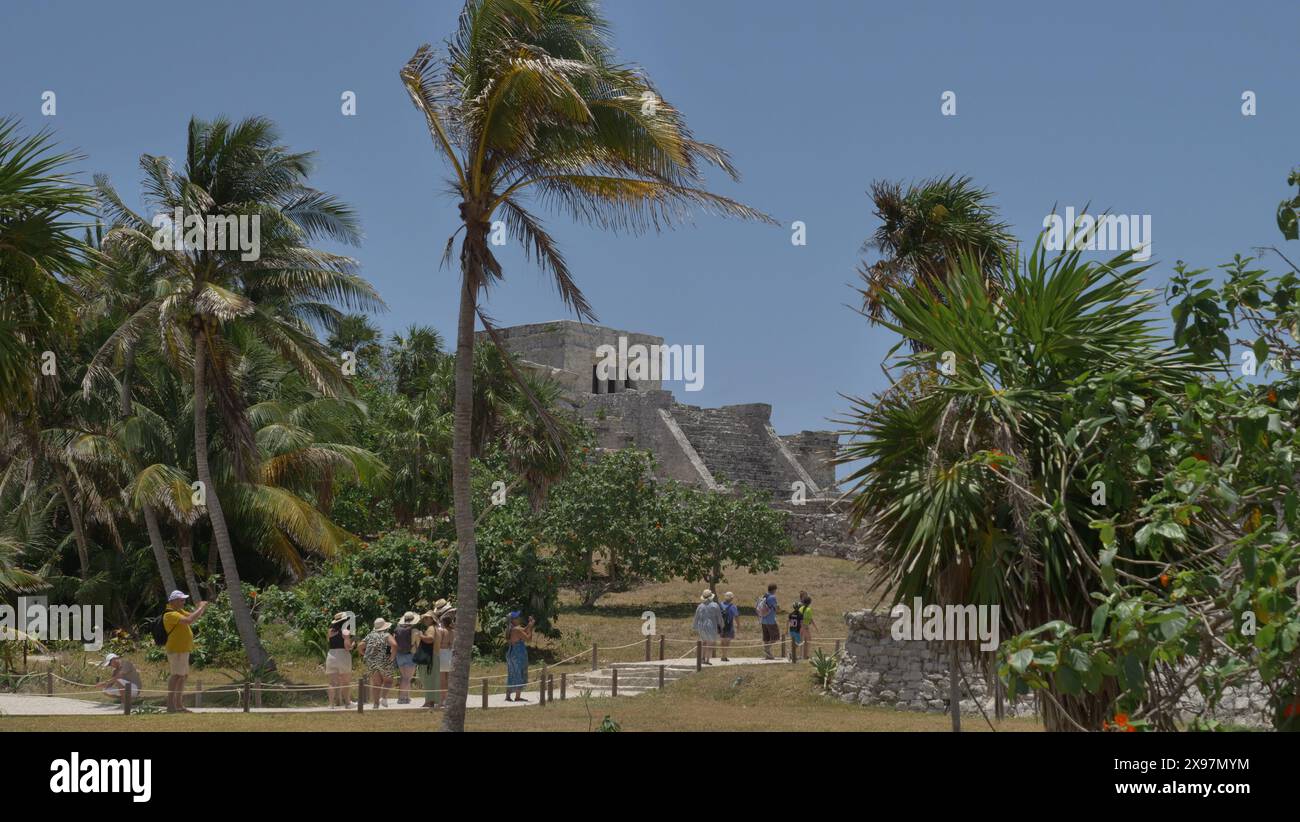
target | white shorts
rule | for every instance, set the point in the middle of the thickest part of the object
(338, 661)
(178, 664)
(115, 689)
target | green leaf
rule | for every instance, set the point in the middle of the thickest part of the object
(1020, 660)
(1099, 617)
(1261, 349)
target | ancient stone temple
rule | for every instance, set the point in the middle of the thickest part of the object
(715, 448)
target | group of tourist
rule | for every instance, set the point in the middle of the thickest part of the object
(716, 623)
(420, 644)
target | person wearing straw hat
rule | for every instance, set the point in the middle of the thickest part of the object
(338, 659)
(427, 657)
(517, 637)
(447, 618)
(180, 642)
(708, 623)
(730, 620)
(405, 640)
(378, 651)
(124, 673)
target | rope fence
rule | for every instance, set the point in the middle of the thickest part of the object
(540, 678)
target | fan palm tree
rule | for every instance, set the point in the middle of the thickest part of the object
(979, 484)
(529, 100)
(41, 258)
(924, 230)
(203, 296)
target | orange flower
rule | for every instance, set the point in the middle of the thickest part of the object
(1105, 726)
(1129, 728)
(1164, 580)
(1272, 396)
(1121, 719)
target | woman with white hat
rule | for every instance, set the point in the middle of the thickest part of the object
(404, 638)
(708, 623)
(378, 650)
(338, 660)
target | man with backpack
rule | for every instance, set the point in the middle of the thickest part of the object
(178, 639)
(766, 610)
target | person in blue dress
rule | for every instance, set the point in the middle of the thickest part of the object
(517, 639)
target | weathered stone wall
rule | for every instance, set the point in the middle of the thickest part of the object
(821, 527)
(571, 347)
(815, 450)
(633, 420)
(876, 669)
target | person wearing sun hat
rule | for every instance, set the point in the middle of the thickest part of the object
(405, 639)
(180, 642)
(338, 660)
(427, 657)
(378, 651)
(708, 623)
(447, 625)
(124, 672)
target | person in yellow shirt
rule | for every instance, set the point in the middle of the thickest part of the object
(180, 641)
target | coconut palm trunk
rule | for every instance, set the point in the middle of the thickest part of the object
(258, 659)
(165, 574)
(467, 580)
(78, 528)
(159, 551)
(184, 543)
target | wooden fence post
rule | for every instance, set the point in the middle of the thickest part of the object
(782, 644)
(614, 680)
(564, 692)
(661, 647)
(593, 656)
(485, 695)
(246, 697)
(699, 656)
(550, 688)
(541, 688)
(647, 648)
(126, 701)
(49, 683)
(257, 693)
(361, 694)
(661, 677)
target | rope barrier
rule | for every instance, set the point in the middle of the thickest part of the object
(237, 689)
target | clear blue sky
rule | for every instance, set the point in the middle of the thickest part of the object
(1132, 106)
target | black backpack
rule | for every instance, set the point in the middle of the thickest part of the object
(159, 630)
(796, 618)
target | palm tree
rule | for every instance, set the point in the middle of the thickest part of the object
(978, 485)
(528, 99)
(203, 297)
(923, 233)
(40, 257)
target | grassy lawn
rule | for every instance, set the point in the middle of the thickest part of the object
(767, 698)
(759, 698)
